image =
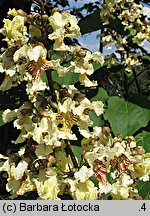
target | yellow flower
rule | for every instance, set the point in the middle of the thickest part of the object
(83, 191)
(64, 25)
(14, 30)
(48, 189)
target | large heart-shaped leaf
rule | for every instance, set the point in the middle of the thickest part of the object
(68, 79)
(97, 120)
(90, 23)
(100, 96)
(140, 100)
(125, 118)
(143, 139)
(144, 189)
(93, 22)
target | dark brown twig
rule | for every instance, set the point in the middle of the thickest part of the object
(101, 43)
(71, 153)
(147, 67)
(50, 83)
(136, 80)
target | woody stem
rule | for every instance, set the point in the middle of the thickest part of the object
(71, 153)
(48, 72)
(51, 87)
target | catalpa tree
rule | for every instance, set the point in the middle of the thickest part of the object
(70, 138)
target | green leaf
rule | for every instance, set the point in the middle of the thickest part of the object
(140, 100)
(90, 23)
(44, 77)
(106, 197)
(54, 55)
(96, 65)
(69, 79)
(144, 189)
(143, 139)
(1, 120)
(94, 180)
(101, 95)
(78, 152)
(93, 22)
(146, 57)
(97, 120)
(125, 118)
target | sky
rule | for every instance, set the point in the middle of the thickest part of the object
(90, 40)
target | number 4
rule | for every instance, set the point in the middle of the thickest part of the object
(143, 207)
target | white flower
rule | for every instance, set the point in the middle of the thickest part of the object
(48, 189)
(83, 174)
(42, 130)
(15, 171)
(64, 25)
(86, 81)
(37, 52)
(15, 30)
(21, 53)
(12, 12)
(9, 115)
(9, 82)
(67, 105)
(35, 86)
(98, 107)
(121, 189)
(60, 69)
(83, 191)
(104, 188)
(3, 157)
(20, 169)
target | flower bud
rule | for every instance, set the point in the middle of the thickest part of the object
(84, 142)
(56, 9)
(63, 92)
(106, 131)
(24, 112)
(140, 150)
(82, 53)
(77, 48)
(131, 138)
(22, 13)
(40, 98)
(51, 160)
(57, 144)
(45, 17)
(30, 18)
(134, 152)
(139, 198)
(139, 170)
(35, 119)
(79, 97)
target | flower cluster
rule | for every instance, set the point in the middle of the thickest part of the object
(133, 30)
(50, 128)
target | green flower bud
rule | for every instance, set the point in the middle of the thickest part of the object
(24, 111)
(36, 119)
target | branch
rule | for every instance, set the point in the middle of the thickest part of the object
(101, 44)
(147, 67)
(50, 83)
(136, 80)
(71, 153)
